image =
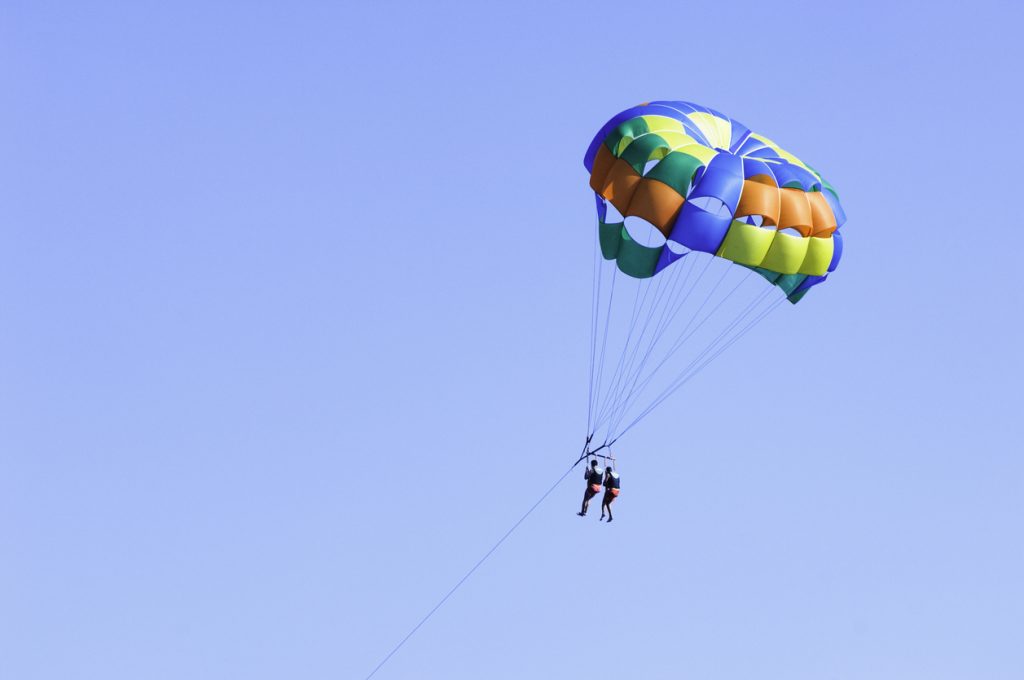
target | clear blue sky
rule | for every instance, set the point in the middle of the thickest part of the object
(293, 324)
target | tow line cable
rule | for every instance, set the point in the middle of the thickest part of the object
(586, 452)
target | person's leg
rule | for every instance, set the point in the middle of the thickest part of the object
(610, 500)
(587, 495)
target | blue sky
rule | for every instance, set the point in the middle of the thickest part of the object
(295, 308)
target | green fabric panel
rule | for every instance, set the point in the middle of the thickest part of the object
(612, 140)
(610, 239)
(790, 282)
(639, 151)
(798, 297)
(632, 258)
(676, 170)
(633, 127)
(771, 276)
(828, 187)
(636, 260)
(787, 282)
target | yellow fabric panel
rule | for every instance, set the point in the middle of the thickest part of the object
(786, 254)
(698, 151)
(819, 255)
(782, 152)
(669, 129)
(724, 132)
(764, 140)
(675, 138)
(717, 130)
(746, 244)
(712, 128)
(655, 123)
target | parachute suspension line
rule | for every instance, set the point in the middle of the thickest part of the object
(671, 293)
(634, 317)
(479, 562)
(594, 311)
(676, 305)
(681, 340)
(620, 371)
(604, 341)
(667, 290)
(617, 385)
(687, 375)
(588, 453)
(686, 334)
(709, 348)
(632, 325)
(739, 319)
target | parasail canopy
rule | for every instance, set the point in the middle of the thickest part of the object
(675, 181)
(708, 183)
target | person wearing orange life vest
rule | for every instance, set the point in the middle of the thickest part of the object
(611, 491)
(594, 479)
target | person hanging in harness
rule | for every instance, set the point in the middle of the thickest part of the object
(611, 491)
(594, 478)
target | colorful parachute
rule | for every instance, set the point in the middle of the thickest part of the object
(676, 181)
(710, 184)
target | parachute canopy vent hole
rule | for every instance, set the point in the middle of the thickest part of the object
(678, 248)
(643, 232)
(711, 204)
(613, 216)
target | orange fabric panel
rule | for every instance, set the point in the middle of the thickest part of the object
(759, 199)
(796, 211)
(620, 184)
(762, 179)
(656, 202)
(599, 171)
(822, 218)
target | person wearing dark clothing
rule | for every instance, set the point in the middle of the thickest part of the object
(594, 479)
(611, 491)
